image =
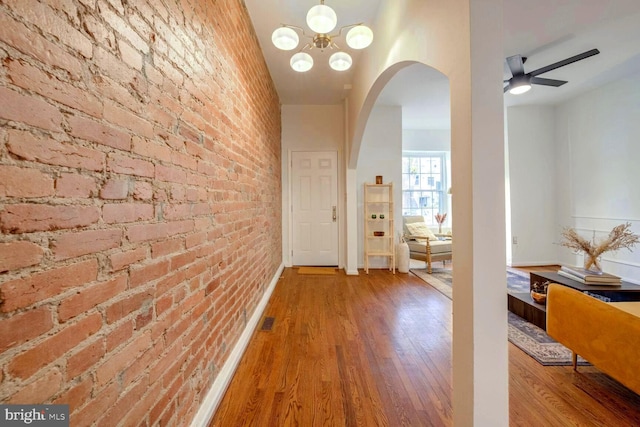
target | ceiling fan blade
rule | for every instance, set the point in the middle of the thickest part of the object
(516, 65)
(564, 62)
(547, 82)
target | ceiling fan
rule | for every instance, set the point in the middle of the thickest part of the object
(521, 82)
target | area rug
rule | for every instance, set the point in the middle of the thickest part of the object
(317, 270)
(524, 335)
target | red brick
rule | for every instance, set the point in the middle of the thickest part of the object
(126, 212)
(25, 218)
(141, 365)
(171, 174)
(84, 359)
(46, 150)
(145, 232)
(47, 85)
(123, 358)
(143, 406)
(124, 259)
(77, 395)
(75, 186)
(163, 304)
(19, 254)
(178, 192)
(115, 189)
(127, 305)
(71, 245)
(29, 110)
(150, 149)
(144, 318)
(127, 120)
(25, 326)
(176, 211)
(99, 403)
(128, 165)
(122, 406)
(94, 131)
(89, 297)
(41, 390)
(26, 364)
(182, 259)
(130, 56)
(141, 275)
(44, 17)
(119, 335)
(23, 292)
(124, 29)
(166, 247)
(195, 239)
(17, 35)
(143, 191)
(24, 182)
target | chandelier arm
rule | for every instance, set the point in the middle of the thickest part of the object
(339, 33)
(295, 27)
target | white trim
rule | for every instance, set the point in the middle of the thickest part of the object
(352, 272)
(219, 387)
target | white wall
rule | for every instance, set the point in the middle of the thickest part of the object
(311, 128)
(598, 155)
(426, 140)
(381, 154)
(532, 179)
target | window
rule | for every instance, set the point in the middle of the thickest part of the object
(424, 185)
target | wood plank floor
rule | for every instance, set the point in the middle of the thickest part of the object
(375, 350)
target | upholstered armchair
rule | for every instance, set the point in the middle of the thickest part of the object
(423, 244)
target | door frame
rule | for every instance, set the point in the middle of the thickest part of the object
(288, 259)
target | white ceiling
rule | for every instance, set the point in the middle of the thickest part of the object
(545, 31)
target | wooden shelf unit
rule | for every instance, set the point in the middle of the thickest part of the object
(378, 200)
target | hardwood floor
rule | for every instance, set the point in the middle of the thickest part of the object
(375, 350)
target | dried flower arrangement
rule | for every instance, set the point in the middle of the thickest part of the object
(440, 219)
(620, 237)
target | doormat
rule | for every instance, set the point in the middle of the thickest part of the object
(317, 270)
(524, 335)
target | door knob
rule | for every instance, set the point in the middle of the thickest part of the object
(334, 214)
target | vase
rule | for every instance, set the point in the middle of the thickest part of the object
(439, 228)
(402, 256)
(592, 263)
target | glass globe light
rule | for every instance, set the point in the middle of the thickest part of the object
(285, 38)
(321, 19)
(359, 37)
(301, 62)
(340, 61)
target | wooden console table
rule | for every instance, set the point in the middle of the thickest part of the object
(523, 305)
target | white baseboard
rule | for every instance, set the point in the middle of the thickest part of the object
(219, 387)
(352, 272)
(533, 264)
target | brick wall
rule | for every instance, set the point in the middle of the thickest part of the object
(139, 202)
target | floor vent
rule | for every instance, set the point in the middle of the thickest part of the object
(267, 323)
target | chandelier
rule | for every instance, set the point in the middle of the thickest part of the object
(322, 20)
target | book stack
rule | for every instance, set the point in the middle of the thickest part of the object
(589, 277)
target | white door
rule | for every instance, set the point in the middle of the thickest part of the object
(314, 198)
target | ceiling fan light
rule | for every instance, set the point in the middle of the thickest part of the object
(520, 89)
(301, 62)
(340, 61)
(321, 19)
(285, 38)
(359, 37)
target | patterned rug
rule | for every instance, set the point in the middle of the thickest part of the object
(524, 335)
